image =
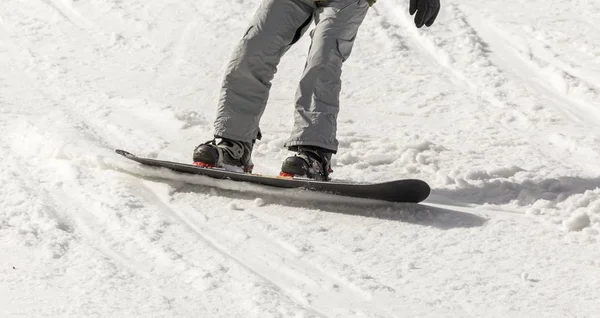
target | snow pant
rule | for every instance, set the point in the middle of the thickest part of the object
(276, 26)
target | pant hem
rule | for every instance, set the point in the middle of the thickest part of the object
(225, 135)
(291, 143)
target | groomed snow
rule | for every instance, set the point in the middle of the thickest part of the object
(497, 107)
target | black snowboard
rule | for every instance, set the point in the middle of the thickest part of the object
(406, 190)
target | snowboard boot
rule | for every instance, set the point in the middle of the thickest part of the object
(310, 162)
(226, 153)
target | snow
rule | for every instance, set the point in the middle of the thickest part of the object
(496, 106)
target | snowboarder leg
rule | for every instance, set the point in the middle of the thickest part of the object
(317, 97)
(276, 26)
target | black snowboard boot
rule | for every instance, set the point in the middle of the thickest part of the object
(225, 153)
(310, 162)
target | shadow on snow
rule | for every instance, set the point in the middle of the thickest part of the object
(301, 199)
(522, 193)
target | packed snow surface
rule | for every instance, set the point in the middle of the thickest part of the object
(496, 106)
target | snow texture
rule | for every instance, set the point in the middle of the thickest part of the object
(496, 106)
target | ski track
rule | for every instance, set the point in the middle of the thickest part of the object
(66, 10)
(50, 226)
(491, 71)
(498, 117)
(301, 282)
(534, 59)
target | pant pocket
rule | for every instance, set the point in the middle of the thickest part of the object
(248, 31)
(345, 48)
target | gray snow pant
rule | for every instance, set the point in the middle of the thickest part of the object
(276, 26)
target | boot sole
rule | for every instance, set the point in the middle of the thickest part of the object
(294, 168)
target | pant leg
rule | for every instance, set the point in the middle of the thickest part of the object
(276, 25)
(317, 97)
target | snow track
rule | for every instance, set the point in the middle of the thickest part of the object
(275, 262)
(496, 108)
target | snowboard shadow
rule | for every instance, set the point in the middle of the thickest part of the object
(498, 192)
(413, 213)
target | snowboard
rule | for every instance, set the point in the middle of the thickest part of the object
(404, 190)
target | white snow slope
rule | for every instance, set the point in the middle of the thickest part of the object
(497, 106)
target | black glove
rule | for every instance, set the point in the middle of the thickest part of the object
(427, 11)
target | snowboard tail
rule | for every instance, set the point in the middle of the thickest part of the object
(404, 190)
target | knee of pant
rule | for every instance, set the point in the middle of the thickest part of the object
(257, 41)
(328, 50)
(332, 42)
